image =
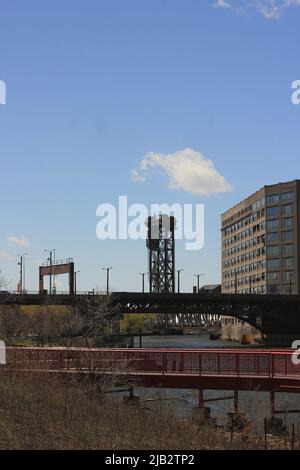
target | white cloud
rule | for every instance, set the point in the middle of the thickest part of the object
(187, 170)
(222, 4)
(136, 177)
(17, 241)
(5, 256)
(270, 9)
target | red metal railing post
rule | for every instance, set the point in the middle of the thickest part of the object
(285, 364)
(164, 363)
(200, 363)
(181, 362)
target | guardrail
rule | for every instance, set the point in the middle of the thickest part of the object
(57, 292)
(201, 362)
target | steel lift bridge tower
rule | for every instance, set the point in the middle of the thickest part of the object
(161, 248)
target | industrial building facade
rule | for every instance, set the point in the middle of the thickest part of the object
(260, 242)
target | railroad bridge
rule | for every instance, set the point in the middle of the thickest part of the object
(276, 316)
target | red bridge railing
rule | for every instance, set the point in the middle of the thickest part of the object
(200, 362)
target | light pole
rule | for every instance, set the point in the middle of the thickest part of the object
(143, 281)
(107, 278)
(75, 281)
(50, 276)
(24, 273)
(178, 279)
(198, 280)
(21, 263)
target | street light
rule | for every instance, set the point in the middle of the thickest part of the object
(178, 279)
(75, 281)
(50, 276)
(198, 280)
(107, 278)
(21, 263)
(143, 281)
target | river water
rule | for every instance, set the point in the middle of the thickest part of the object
(256, 405)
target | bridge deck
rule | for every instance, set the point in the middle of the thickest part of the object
(223, 369)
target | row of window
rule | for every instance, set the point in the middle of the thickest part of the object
(252, 290)
(272, 237)
(237, 215)
(275, 289)
(244, 246)
(274, 250)
(287, 276)
(245, 234)
(245, 268)
(274, 211)
(274, 198)
(244, 257)
(274, 263)
(274, 224)
(242, 223)
(243, 281)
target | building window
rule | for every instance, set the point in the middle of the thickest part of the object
(273, 250)
(288, 196)
(287, 210)
(273, 263)
(288, 276)
(287, 223)
(273, 224)
(273, 289)
(272, 199)
(273, 237)
(273, 277)
(287, 236)
(288, 262)
(273, 211)
(288, 250)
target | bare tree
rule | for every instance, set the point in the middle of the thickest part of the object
(101, 321)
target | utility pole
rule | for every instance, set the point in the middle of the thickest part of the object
(75, 281)
(107, 278)
(198, 281)
(143, 281)
(178, 279)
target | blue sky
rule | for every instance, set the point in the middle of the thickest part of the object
(93, 86)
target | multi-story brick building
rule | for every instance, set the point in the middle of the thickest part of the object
(260, 242)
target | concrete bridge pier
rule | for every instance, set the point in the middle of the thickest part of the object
(201, 414)
(274, 424)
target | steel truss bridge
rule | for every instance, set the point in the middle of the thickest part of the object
(276, 315)
(273, 315)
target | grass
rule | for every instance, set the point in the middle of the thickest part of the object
(50, 412)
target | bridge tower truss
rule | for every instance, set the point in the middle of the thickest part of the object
(161, 250)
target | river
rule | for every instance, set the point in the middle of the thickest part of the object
(256, 405)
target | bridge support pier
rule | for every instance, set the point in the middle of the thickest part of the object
(274, 424)
(131, 399)
(201, 414)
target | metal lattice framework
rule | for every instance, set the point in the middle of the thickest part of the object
(161, 246)
(271, 314)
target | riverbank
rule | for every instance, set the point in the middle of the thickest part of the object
(43, 412)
